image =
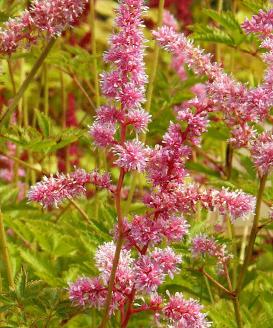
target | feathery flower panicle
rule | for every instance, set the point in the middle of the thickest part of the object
(239, 105)
(108, 115)
(204, 245)
(262, 152)
(88, 292)
(138, 119)
(169, 20)
(103, 134)
(51, 17)
(144, 231)
(184, 313)
(236, 204)
(56, 15)
(167, 260)
(101, 180)
(132, 155)
(104, 261)
(262, 23)
(174, 228)
(148, 274)
(50, 192)
(126, 82)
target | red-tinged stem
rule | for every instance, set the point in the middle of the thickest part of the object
(120, 238)
(129, 309)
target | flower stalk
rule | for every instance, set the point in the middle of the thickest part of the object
(253, 234)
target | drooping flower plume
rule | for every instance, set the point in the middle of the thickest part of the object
(51, 17)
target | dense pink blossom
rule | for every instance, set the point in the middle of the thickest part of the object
(238, 104)
(204, 245)
(262, 152)
(126, 82)
(167, 260)
(174, 228)
(49, 16)
(144, 231)
(236, 204)
(184, 313)
(52, 191)
(132, 155)
(148, 274)
(88, 292)
(100, 180)
(169, 20)
(260, 23)
(138, 119)
(103, 134)
(108, 115)
(104, 260)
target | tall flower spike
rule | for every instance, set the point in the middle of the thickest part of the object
(262, 152)
(50, 192)
(51, 17)
(131, 156)
(184, 313)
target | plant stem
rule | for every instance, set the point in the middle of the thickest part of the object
(237, 312)
(46, 97)
(216, 283)
(12, 77)
(12, 107)
(253, 234)
(209, 289)
(5, 252)
(234, 250)
(229, 157)
(120, 238)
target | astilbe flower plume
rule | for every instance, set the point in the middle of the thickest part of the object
(183, 313)
(204, 245)
(239, 105)
(262, 152)
(51, 17)
(53, 190)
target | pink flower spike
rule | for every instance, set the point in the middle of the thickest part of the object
(50, 192)
(88, 292)
(100, 180)
(139, 119)
(260, 23)
(169, 20)
(103, 134)
(148, 274)
(203, 245)
(167, 260)
(262, 152)
(131, 156)
(184, 313)
(174, 228)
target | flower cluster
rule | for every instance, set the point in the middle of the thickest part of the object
(262, 152)
(204, 245)
(125, 88)
(49, 16)
(184, 313)
(140, 276)
(239, 105)
(52, 191)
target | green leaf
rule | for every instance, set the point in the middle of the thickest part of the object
(44, 123)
